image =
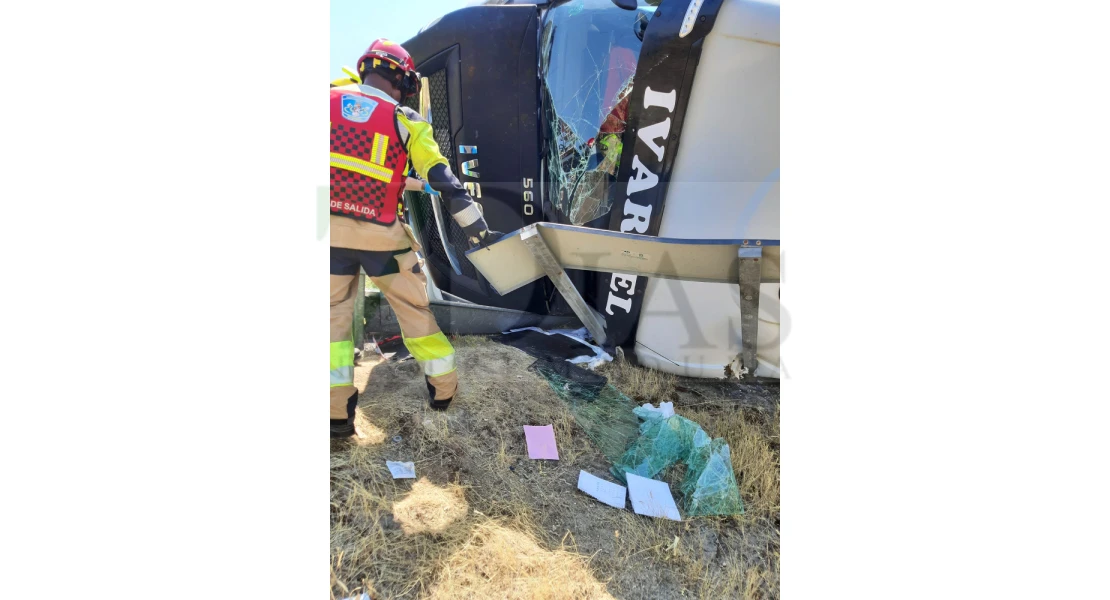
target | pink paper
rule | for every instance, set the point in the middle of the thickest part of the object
(541, 441)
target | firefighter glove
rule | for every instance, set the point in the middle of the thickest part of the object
(485, 238)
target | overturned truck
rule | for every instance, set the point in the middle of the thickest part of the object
(627, 117)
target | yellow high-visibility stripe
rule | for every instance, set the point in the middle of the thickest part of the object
(429, 347)
(342, 354)
(361, 167)
(434, 354)
(377, 154)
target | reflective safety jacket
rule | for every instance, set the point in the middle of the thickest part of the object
(372, 139)
(368, 160)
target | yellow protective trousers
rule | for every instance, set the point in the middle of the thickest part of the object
(401, 281)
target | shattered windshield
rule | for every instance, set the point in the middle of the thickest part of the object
(588, 53)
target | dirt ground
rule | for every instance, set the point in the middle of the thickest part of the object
(482, 520)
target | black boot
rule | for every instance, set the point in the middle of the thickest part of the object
(432, 402)
(345, 428)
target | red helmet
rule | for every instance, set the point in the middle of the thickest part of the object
(385, 52)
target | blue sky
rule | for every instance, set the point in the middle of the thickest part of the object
(356, 23)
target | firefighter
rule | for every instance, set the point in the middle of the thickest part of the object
(374, 143)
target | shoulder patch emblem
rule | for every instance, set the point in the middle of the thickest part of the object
(357, 108)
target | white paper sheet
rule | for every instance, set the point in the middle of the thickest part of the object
(605, 491)
(401, 470)
(651, 498)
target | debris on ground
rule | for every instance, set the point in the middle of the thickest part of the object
(665, 409)
(484, 521)
(609, 418)
(401, 470)
(662, 443)
(572, 380)
(709, 487)
(541, 442)
(651, 498)
(601, 410)
(664, 439)
(570, 345)
(391, 348)
(604, 491)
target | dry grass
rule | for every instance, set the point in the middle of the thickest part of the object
(642, 385)
(738, 582)
(734, 572)
(369, 434)
(484, 521)
(429, 508)
(501, 563)
(752, 441)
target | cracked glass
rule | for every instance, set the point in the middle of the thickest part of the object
(588, 54)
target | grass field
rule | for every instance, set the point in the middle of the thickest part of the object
(483, 521)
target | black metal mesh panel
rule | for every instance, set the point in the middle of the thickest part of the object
(441, 120)
(441, 128)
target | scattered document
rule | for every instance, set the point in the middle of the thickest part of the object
(541, 441)
(651, 498)
(401, 470)
(605, 491)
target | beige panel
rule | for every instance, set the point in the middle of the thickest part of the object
(508, 264)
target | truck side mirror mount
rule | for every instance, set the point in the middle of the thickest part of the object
(639, 26)
(626, 4)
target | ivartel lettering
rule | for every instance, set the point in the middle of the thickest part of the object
(637, 216)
